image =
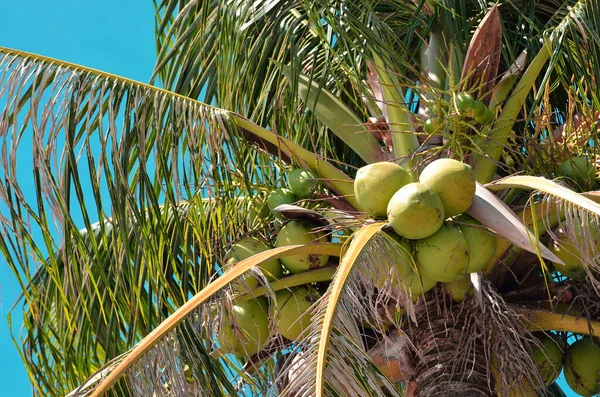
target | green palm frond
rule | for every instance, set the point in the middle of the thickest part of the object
(130, 214)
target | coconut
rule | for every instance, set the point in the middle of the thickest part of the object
(582, 367)
(444, 256)
(302, 182)
(248, 331)
(257, 209)
(580, 169)
(300, 232)
(453, 181)
(415, 211)
(294, 310)
(550, 359)
(569, 250)
(400, 257)
(402, 274)
(465, 103)
(247, 247)
(375, 184)
(278, 197)
(482, 243)
(460, 288)
(419, 284)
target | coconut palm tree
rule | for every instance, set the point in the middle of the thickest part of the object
(141, 190)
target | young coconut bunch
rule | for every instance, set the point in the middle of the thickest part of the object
(393, 248)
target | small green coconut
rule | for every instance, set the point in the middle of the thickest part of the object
(444, 256)
(302, 182)
(245, 248)
(569, 250)
(453, 181)
(460, 289)
(415, 211)
(581, 170)
(257, 209)
(248, 331)
(375, 184)
(300, 232)
(482, 243)
(582, 367)
(550, 359)
(278, 197)
(294, 310)
(465, 103)
(431, 125)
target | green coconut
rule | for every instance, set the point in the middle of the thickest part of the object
(465, 103)
(431, 125)
(444, 256)
(257, 209)
(402, 274)
(419, 284)
(400, 256)
(248, 331)
(482, 243)
(569, 250)
(278, 197)
(302, 182)
(582, 367)
(300, 232)
(550, 358)
(375, 184)
(453, 181)
(460, 289)
(294, 310)
(245, 248)
(415, 211)
(580, 169)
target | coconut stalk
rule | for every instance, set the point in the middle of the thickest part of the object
(404, 140)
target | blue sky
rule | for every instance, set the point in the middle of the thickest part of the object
(116, 36)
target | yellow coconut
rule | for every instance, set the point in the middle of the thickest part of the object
(415, 211)
(444, 256)
(300, 232)
(482, 242)
(375, 184)
(550, 358)
(582, 367)
(248, 331)
(245, 248)
(453, 181)
(294, 310)
(460, 288)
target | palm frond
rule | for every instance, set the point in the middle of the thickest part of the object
(137, 192)
(187, 322)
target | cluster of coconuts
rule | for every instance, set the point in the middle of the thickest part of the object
(248, 330)
(581, 362)
(467, 107)
(428, 217)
